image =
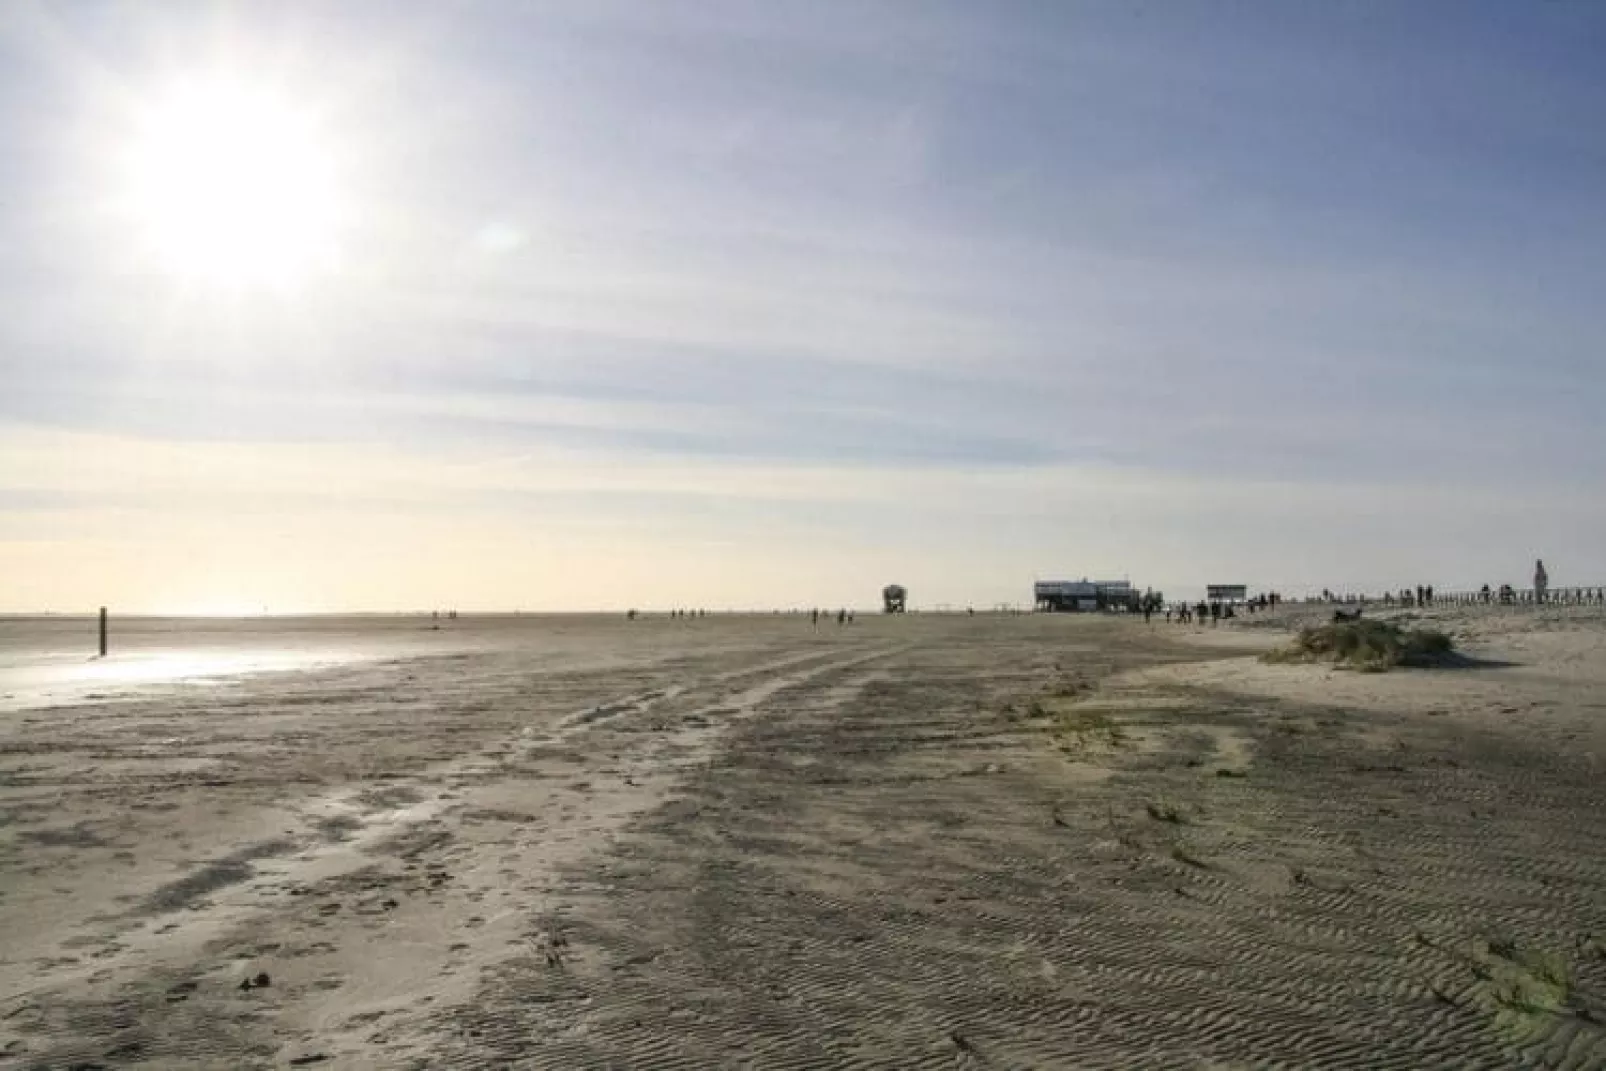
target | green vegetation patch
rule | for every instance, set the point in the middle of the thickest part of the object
(1076, 728)
(1369, 646)
(1529, 987)
(1528, 991)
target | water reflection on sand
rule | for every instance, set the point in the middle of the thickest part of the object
(54, 679)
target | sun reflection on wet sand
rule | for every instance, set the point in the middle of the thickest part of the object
(52, 680)
(49, 661)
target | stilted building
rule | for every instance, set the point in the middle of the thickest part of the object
(1085, 596)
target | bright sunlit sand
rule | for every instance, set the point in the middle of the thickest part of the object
(1069, 835)
(60, 678)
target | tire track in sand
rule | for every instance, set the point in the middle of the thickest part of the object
(269, 905)
(884, 884)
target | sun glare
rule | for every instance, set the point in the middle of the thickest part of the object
(232, 186)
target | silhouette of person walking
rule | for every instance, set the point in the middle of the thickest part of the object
(1541, 580)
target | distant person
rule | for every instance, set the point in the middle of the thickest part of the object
(1483, 593)
(814, 617)
(841, 618)
(1541, 581)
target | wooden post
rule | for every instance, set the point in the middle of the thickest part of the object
(103, 632)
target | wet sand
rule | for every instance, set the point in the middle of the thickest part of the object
(922, 841)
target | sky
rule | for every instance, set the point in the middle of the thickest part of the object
(595, 305)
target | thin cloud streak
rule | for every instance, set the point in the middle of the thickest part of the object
(1010, 288)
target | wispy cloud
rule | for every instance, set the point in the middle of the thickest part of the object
(988, 290)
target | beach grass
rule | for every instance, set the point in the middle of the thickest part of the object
(1370, 646)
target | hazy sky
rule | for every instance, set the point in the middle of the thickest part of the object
(754, 304)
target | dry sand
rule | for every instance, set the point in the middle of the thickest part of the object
(996, 842)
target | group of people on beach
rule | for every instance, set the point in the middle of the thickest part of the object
(631, 615)
(1215, 610)
(843, 617)
(1503, 595)
(1184, 613)
(1422, 595)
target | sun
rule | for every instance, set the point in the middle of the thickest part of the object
(232, 185)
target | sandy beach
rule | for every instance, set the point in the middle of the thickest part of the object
(926, 841)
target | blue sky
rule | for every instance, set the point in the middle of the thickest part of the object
(746, 303)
